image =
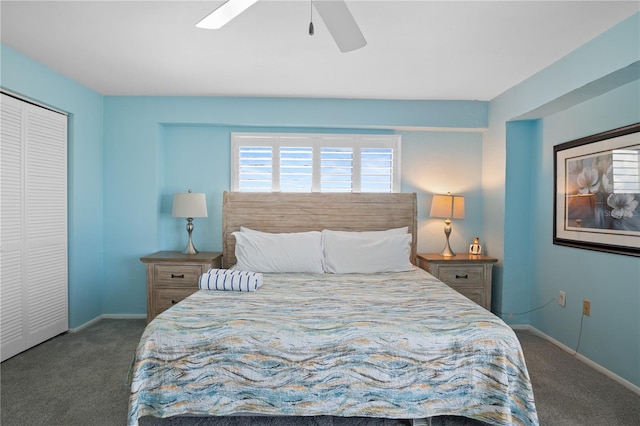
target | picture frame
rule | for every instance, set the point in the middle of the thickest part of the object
(597, 192)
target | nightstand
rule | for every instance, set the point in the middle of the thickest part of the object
(469, 274)
(172, 276)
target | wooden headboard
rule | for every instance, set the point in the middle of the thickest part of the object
(299, 212)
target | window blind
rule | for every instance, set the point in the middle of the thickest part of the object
(315, 162)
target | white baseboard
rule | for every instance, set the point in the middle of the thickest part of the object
(624, 382)
(124, 316)
(107, 316)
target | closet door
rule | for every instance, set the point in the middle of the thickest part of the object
(33, 225)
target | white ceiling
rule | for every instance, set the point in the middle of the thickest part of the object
(472, 50)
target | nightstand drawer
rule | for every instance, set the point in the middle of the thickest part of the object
(177, 275)
(167, 297)
(462, 275)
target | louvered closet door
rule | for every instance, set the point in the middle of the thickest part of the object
(33, 225)
(11, 235)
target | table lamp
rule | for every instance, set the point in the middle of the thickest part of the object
(189, 205)
(448, 207)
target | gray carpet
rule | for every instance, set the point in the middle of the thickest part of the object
(79, 379)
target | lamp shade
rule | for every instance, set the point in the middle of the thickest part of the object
(447, 206)
(189, 204)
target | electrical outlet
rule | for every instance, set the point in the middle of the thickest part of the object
(561, 299)
(586, 307)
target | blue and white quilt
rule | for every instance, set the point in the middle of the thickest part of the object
(393, 345)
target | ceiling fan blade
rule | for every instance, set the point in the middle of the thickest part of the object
(224, 13)
(339, 20)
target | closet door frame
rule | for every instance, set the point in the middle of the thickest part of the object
(34, 225)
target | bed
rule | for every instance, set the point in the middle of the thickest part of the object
(392, 344)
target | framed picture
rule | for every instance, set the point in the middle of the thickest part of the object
(597, 192)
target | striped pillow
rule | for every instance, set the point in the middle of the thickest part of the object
(230, 280)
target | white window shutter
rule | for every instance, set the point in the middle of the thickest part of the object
(305, 162)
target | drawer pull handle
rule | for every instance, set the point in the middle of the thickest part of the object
(465, 276)
(177, 276)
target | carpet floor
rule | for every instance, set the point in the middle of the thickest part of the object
(80, 379)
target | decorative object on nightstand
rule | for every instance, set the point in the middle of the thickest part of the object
(468, 274)
(447, 207)
(189, 205)
(172, 276)
(475, 248)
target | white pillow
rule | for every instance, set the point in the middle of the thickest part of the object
(267, 252)
(352, 253)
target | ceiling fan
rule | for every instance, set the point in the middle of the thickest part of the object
(334, 13)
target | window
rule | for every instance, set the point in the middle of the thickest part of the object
(288, 162)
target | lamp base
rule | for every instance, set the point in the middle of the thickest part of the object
(190, 247)
(447, 252)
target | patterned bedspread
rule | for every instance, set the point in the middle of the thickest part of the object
(394, 345)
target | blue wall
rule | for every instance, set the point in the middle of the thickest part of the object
(611, 282)
(522, 137)
(595, 88)
(84, 106)
(157, 146)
